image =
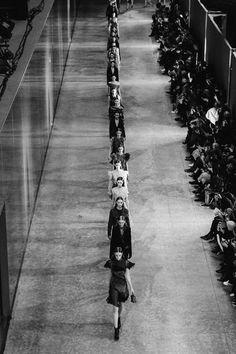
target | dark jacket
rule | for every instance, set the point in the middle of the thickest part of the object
(110, 73)
(113, 126)
(124, 241)
(114, 216)
(110, 10)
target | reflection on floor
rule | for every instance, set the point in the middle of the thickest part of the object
(60, 305)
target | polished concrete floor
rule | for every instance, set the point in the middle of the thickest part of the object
(60, 305)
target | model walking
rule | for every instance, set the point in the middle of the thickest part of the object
(121, 237)
(120, 286)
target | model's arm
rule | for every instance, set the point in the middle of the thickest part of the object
(218, 239)
(128, 278)
(130, 243)
(109, 227)
(113, 197)
(110, 183)
(127, 200)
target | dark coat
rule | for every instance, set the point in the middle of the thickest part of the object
(110, 10)
(116, 142)
(114, 216)
(113, 126)
(109, 42)
(124, 241)
(110, 73)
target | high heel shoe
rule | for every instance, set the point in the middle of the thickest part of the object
(116, 334)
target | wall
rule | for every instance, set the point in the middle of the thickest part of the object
(25, 133)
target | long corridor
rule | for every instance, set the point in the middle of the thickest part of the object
(60, 305)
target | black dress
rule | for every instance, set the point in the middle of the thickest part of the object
(118, 288)
(123, 240)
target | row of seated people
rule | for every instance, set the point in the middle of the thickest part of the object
(118, 230)
(199, 104)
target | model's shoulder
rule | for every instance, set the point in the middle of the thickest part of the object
(129, 264)
(108, 264)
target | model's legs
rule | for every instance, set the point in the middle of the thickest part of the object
(119, 314)
(115, 316)
(120, 309)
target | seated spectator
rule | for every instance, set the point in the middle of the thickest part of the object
(200, 105)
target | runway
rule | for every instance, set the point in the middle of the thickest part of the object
(60, 305)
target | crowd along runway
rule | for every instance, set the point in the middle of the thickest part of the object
(60, 305)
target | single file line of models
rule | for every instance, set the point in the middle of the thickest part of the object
(118, 230)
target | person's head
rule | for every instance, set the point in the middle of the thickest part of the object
(118, 253)
(224, 242)
(113, 92)
(117, 164)
(120, 182)
(117, 102)
(119, 202)
(121, 221)
(231, 225)
(111, 57)
(120, 150)
(118, 133)
(114, 82)
(217, 197)
(233, 242)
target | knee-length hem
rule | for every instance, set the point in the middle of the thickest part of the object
(118, 288)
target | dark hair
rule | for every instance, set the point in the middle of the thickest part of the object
(118, 249)
(119, 198)
(120, 179)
